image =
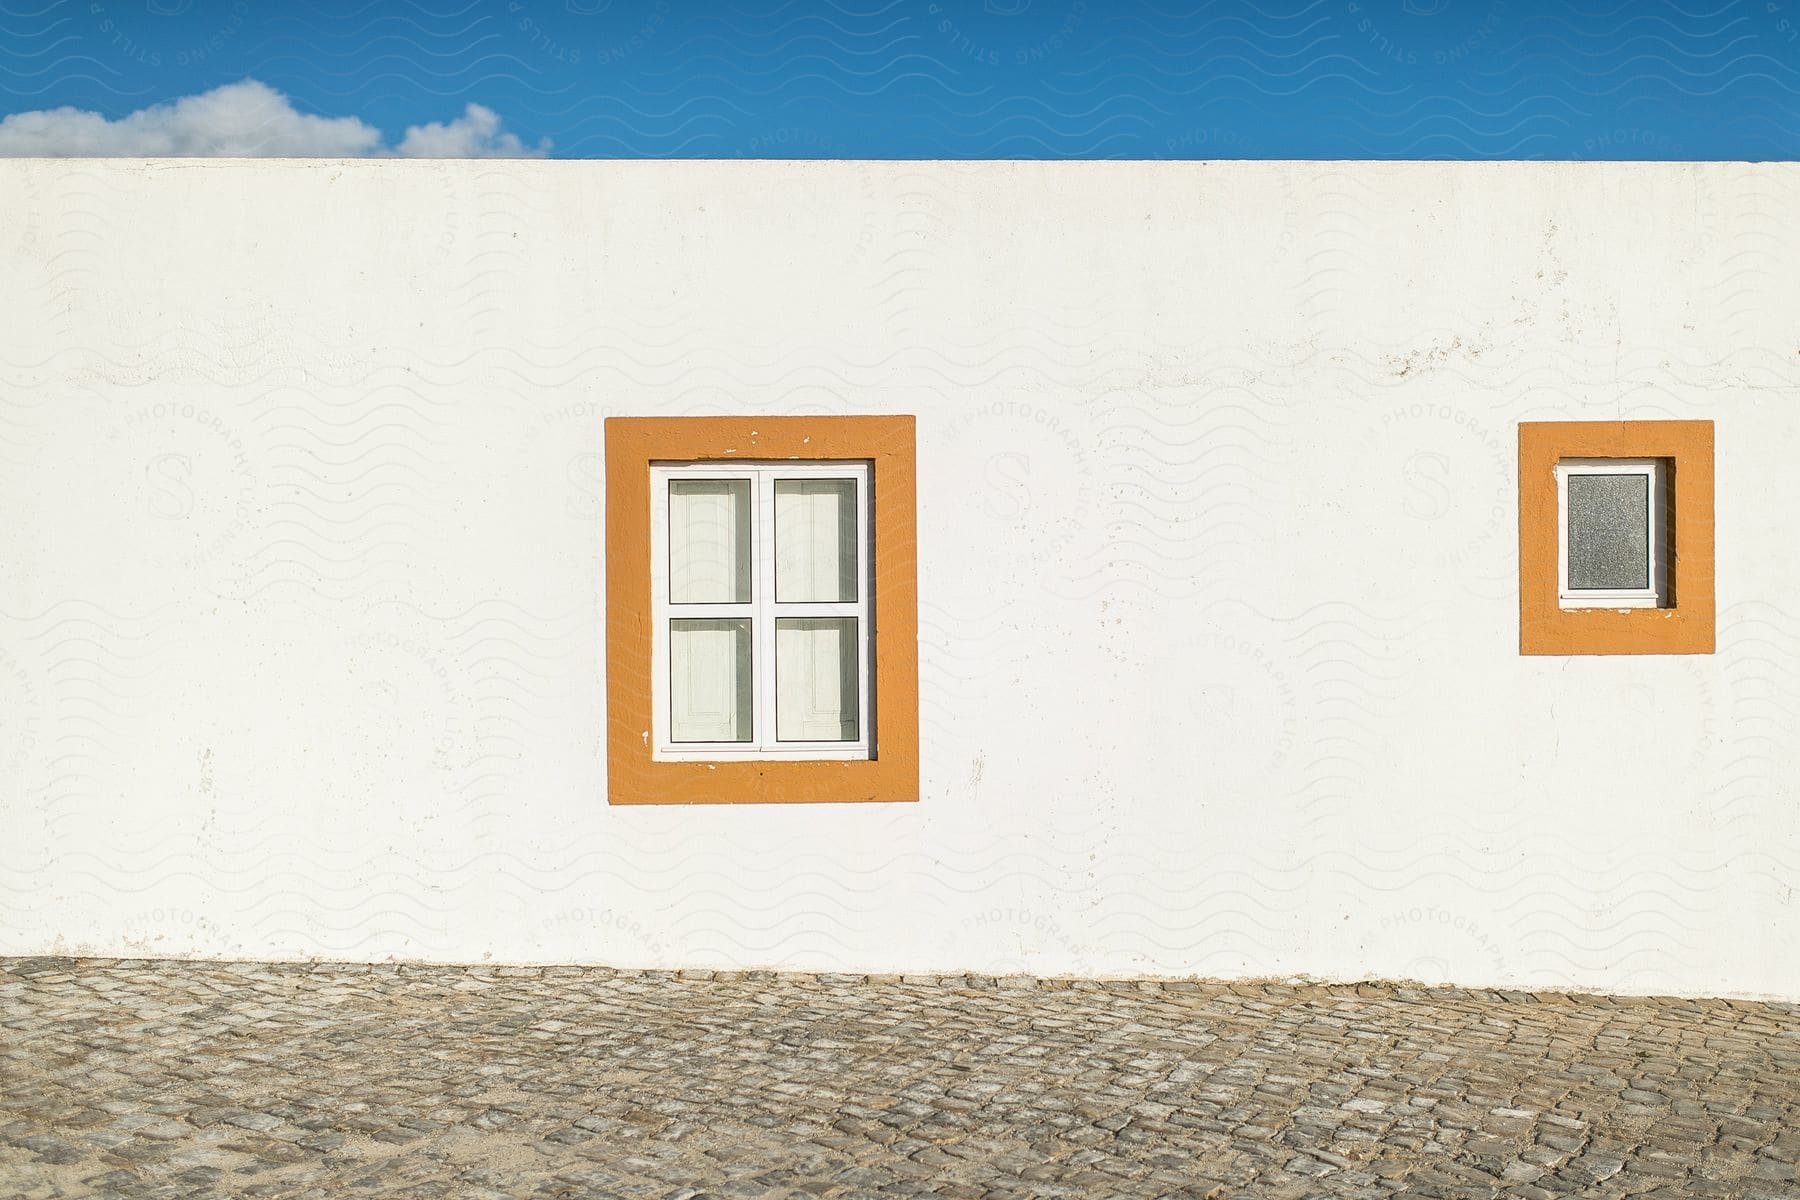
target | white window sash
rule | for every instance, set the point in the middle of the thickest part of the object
(1656, 545)
(762, 610)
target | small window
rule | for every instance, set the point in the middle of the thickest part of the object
(761, 610)
(1616, 537)
(1614, 522)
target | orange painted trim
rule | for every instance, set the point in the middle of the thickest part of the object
(1687, 627)
(633, 776)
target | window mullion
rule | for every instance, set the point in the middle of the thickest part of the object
(706, 612)
(820, 608)
(762, 560)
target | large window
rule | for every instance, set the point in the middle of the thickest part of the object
(762, 612)
(762, 623)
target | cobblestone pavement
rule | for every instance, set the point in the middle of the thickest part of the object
(205, 1079)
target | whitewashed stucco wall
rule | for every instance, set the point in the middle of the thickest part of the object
(301, 563)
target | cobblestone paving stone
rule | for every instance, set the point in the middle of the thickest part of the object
(165, 1079)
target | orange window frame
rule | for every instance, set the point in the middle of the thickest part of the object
(633, 774)
(1687, 625)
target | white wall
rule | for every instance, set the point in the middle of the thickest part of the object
(301, 563)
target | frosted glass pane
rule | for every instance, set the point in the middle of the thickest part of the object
(815, 540)
(815, 679)
(709, 541)
(709, 681)
(1609, 532)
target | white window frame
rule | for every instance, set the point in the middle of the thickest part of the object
(1657, 546)
(762, 611)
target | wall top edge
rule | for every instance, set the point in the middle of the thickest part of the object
(1066, 163)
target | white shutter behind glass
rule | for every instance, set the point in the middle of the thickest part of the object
(815, 540)
(815, 679)
(709, 541)
(709, 681)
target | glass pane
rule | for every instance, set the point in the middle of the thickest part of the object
(815, 679)
(815, 540)
(709, 541)
(709, 681)
(1609, 532)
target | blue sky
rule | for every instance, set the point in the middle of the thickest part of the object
(1590, 79)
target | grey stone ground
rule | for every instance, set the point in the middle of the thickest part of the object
(207, 1079)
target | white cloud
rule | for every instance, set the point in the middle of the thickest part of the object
(475, 134)
(247, 119)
